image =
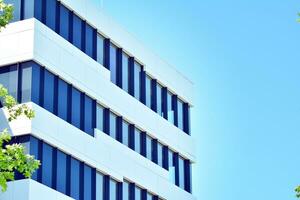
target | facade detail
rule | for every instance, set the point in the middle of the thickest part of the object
(112, 119)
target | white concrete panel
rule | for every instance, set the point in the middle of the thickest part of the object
(154, 65)
(28, 189)
(65, 60)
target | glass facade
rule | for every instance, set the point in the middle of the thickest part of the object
(113, 63)
(80, 110)
(125, 72)
(77, 32)
(137, 80)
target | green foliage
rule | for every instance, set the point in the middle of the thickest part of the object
(297, 190)
(6, 13)
(13, 157)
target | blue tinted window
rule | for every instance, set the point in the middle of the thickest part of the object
(26, 81)
(51, 13)
(169, 108)
(87, 190)
(76, 104)
(88, 116)
(149, 196)
(137, 193)
(49, 91)
(62, 99)
(99, 186)
(89, 40)
(34, 151)
(32, 8)
(125, 191)
(112, 125)
(47, 165)
(77, 31)
(17, 9)
(125, 71)
(159, 154)
(159, 99)
(148, 91)
(75, 178)
(112, 190)
(137, 140)
(99, 120)
(100, 49)
(61, 177)
(180, 114)
(181, 172)
(125, 133)
(9, 79)
(149, 147)
(64, 22)
(137, 80)
(113, 63)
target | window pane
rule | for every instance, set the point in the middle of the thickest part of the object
(137, 140)
(159, 99)
(61, 178)
(125, 71)
(137, 193)
(49, 91)
(34, 150)
(171, 167)
(125, 190)
(64, 22)
(99, 119)
(99, 186)
(32, 8)
(125, 133)
(62, 99)
(112, 125)
(9, 79)
(75, 170)
(181, 172)
(159, 154)
(180, 114)
(89, 40)
(149, 196)
(26, 82)
(47, 165)
(149, 147)
(169, 106)
(87, 190)
(137, 79)
(76, 104)
(100, 49)
(88, 116)
(35, 88)
(17, 9)
(50, 13)
(113, 63)
(148, 91)
(112, 190)
(77, 31)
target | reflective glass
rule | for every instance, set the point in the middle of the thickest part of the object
(99, 120)
(137, 79)
(100, 49)
(137, 193)
(159, 154)
(47, 160)
(62, 99)
(64, 22)
(169, 106)
(125, 190)
(26, 81)
(88, 115)
(76, 111)
(125, 71)
(77, 31)
(125, 133)
(87, 186)
(113, 63)
(75, 179)
(149, 147)
(51, 13)
(148, 91)
(112, 190)
(159, 99)
(9, 79)
(89, 40)
(48, 91)
(61, 177)
(180, 114)
(181, 172)
(112, 125)
(137, 140)
(17, 9)
(99, 186)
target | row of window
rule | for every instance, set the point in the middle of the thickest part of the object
(126, 72)
(29, 81)
(76, 179)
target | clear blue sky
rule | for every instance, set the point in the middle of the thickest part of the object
(244, 58)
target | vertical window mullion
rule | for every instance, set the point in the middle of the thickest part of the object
(187, 176)
(154, 151)
(119, 128)
(106, 179)
(106, 53)
(143, 144)
(166, 157)
(131, 137)
(175, 109)
(131, 191)
(143, 87)
(176, 165)
(154, 95)
(106, 121)
(119, 67)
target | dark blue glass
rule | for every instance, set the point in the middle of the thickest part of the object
(75, 179)
(87, 190)
(77, 31)
(17, 9)
(47, 160)
(89, 40)
(49, 91)
(88, 115)
(26, 71)
(32, 8)
(75, 108)
(36, 83)
(34, 151)
(64, 22)
(113, 63)
(51, 13)
(61, 170)
(125, 72)
(62, 103)
(113, 125)
(9, 79)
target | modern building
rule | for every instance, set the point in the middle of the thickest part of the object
(112, 119)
